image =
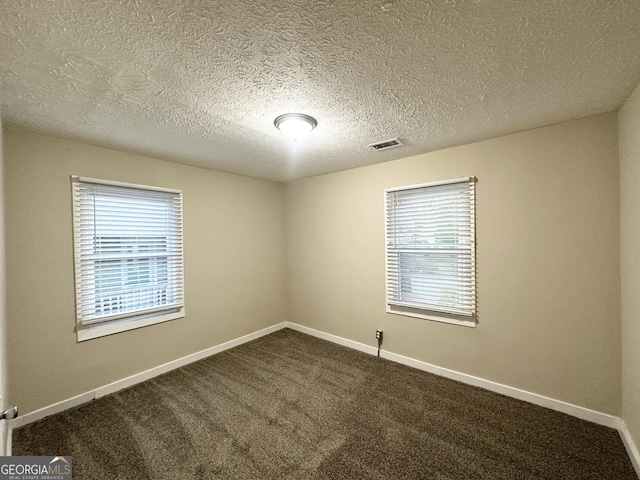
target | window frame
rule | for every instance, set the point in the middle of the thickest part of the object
(393, 306)
(116, 323)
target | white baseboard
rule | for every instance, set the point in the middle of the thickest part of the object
(51, 409)
(630, 445)
(571, 409)
(594, 416)
(575, 410)
(333, 338)
(137, 378)
(547, 402)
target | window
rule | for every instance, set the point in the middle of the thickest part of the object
(430, 251)
(128, 256)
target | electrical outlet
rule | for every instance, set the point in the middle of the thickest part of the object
(379, 334)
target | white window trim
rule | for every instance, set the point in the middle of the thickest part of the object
(75, 178)
(396, 309)
(87, 332)
(435, 316)
(95, 330)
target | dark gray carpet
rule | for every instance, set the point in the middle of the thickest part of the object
(290, 406)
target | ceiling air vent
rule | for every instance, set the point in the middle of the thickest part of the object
(394, 142)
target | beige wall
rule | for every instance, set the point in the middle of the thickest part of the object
(548, 263)
(629, 124)
(547, 258)
(4, 431)
(234, 266)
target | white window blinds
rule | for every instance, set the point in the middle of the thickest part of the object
(128, 251)
(430, 248)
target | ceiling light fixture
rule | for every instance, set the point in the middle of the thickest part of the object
(295, 125)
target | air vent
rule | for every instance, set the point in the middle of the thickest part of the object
(394, 142)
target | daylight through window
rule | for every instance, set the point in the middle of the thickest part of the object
(430, 251)
(128, 255)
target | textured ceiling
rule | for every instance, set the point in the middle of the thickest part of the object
(201, 81)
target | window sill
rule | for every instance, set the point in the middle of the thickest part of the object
(97, 330)
(430, 315)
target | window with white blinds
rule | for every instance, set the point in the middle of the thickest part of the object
(128, 256)
(430, 251)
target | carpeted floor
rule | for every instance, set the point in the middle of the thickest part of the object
(290, 406)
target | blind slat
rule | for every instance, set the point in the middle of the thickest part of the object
(430, 247)
(128, 251)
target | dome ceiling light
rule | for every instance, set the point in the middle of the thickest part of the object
(295, 125)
